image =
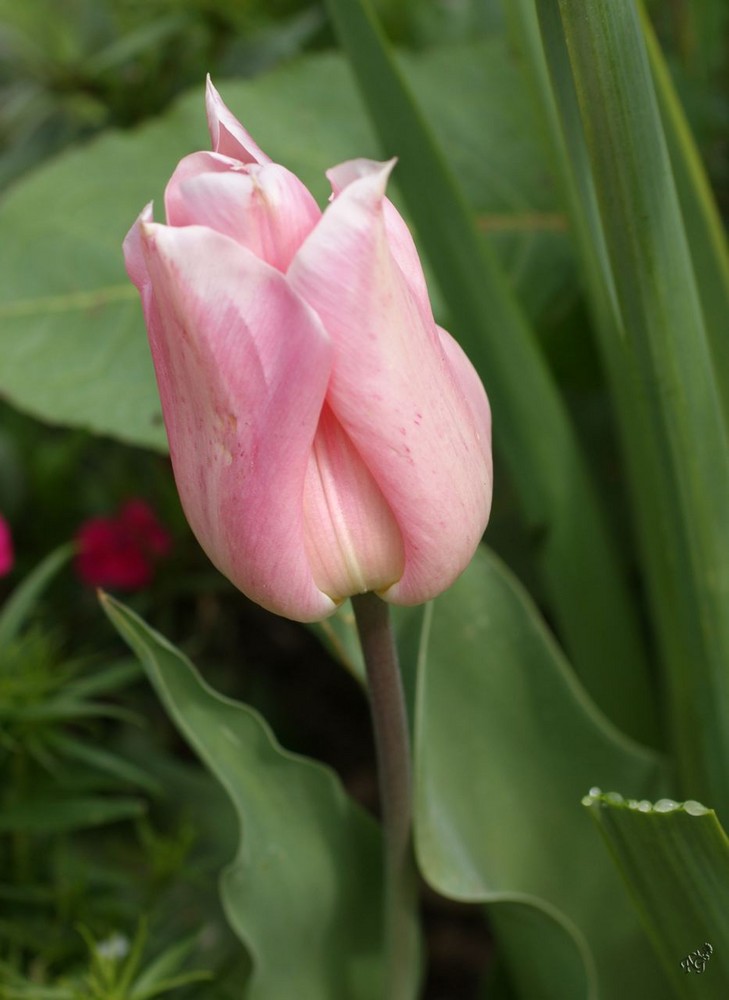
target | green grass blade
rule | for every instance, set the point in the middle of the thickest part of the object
(577, 559)
(667, 355)
(22, 601)
(704, 227)
(675, 861)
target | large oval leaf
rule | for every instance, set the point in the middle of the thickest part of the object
(507, 743)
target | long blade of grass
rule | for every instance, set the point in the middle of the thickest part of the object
(683, 489)
(704, 228)
(23, 599)
(533, 434)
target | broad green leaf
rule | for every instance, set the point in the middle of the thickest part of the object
(682, 489)
(532, 430)
(22, 601)
(675, 860)
(303, 893)
(546, 956)
(506, 745)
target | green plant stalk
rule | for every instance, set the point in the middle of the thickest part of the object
(685, 483)
(577, 558)
(392, 743)
(553, 93)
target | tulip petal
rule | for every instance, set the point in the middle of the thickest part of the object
(398, 393)
(241, 403)
(402, 245)
(226, 133)
(263, 207)
(353, 540)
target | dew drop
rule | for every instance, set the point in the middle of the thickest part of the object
(665, 806)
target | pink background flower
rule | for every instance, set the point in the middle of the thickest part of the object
(121, 552)
(7, 554)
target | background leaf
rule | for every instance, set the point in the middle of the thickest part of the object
(506, 745)
(21, 603)
(682, 484)
(304, 891)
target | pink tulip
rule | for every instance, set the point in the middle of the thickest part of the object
(327, 437)
(7, 554)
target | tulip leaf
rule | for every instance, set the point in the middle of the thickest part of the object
(704, 226)
(506, 745)
(682, 482)
(71, 332)
(675, 860)
(303, 893)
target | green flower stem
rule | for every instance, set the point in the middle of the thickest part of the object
(389, 716)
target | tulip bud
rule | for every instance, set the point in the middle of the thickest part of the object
(327, 437)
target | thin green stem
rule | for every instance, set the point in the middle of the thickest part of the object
(392, 743)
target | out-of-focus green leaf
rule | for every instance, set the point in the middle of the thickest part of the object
(304, 892)
(21, 602)
(681, 489)
(60, 815)
(704, 227)
(675, 860)
(102, 760)
(104, 680)
(506, 744)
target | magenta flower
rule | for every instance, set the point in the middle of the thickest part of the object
(327, 437)
(7, 553)
(121, 552)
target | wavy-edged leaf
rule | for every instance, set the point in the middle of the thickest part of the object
(304, 892)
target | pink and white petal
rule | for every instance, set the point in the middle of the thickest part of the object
(227, 134)
(242, 366)
(394, 390)
(472, 387)
(134, 256)
(353, 540)
(402, 245)
(265, 208)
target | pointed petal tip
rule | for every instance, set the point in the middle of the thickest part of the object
(227, 134)
(375, 172)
